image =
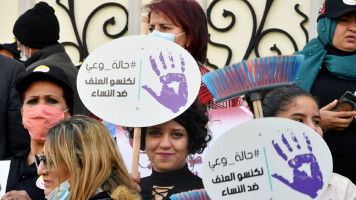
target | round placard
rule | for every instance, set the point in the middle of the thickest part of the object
(270, 158)
(138, 81)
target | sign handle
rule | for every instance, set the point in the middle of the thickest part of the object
(136, 151)
(257, 107)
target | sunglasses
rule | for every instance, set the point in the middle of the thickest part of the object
(39, 159)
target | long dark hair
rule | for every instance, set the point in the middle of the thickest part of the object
(278, 100)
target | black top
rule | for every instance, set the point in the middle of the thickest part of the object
(24, 177)
(102, 196)
(14, 138)
(182, 180)
(341, 143)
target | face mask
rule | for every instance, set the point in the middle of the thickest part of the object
(60, 193)
(39, 119)
(23, 56)
(167, 36)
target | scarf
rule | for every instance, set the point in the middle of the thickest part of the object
(320, 51)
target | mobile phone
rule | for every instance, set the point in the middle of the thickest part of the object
(347, 102)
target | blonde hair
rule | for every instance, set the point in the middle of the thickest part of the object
(86, 148)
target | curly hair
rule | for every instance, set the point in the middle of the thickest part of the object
(194, 120)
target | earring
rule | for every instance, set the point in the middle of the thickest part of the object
(187, 45)
(191, 161)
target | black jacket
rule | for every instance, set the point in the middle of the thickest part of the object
(24, 177)
(13, 137)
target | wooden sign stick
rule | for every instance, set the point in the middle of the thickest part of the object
(255, 109)
(137, 131)
(257, 106)
(136, 152)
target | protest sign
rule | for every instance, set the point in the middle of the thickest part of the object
(4, 169)
(138, 81)
(270, 158)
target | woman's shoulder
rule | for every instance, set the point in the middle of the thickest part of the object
(339, 180)
(203, 70)
(339, 187)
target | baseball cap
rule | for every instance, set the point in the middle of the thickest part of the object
(53, 74)
(11, 46)
(336, 8)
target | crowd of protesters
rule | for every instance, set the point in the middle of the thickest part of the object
(57, 151)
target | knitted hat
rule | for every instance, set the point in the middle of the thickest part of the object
(336, 8)
(38, 27)
(53, 74)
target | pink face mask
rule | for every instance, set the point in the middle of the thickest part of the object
(39, 119)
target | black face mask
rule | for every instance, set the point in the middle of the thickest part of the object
(335, 51)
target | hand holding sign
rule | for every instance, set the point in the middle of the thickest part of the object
(126, 76)
(301, 178)
(168, 97)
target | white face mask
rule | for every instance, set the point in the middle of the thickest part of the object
(23, 56)
(60, 193)
(168, 36)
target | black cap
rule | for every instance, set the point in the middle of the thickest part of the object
(37, 27)
(336, 8)
(50, 73)
(11, 46)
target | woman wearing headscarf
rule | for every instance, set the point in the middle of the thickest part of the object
(328, 71)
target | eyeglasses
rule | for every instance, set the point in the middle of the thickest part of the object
(39, 159)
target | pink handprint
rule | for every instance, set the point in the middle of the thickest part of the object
(168, 97)
(301, 181)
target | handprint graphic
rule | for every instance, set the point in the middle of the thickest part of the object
(168, 97)
(303, 183)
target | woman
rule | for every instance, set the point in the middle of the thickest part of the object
(296, 104)
(328, 71)
(47, 98)
(81, 161)
(184, 22)
(167, 146)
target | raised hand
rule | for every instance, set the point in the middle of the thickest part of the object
(303, 183)
(168, 97)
